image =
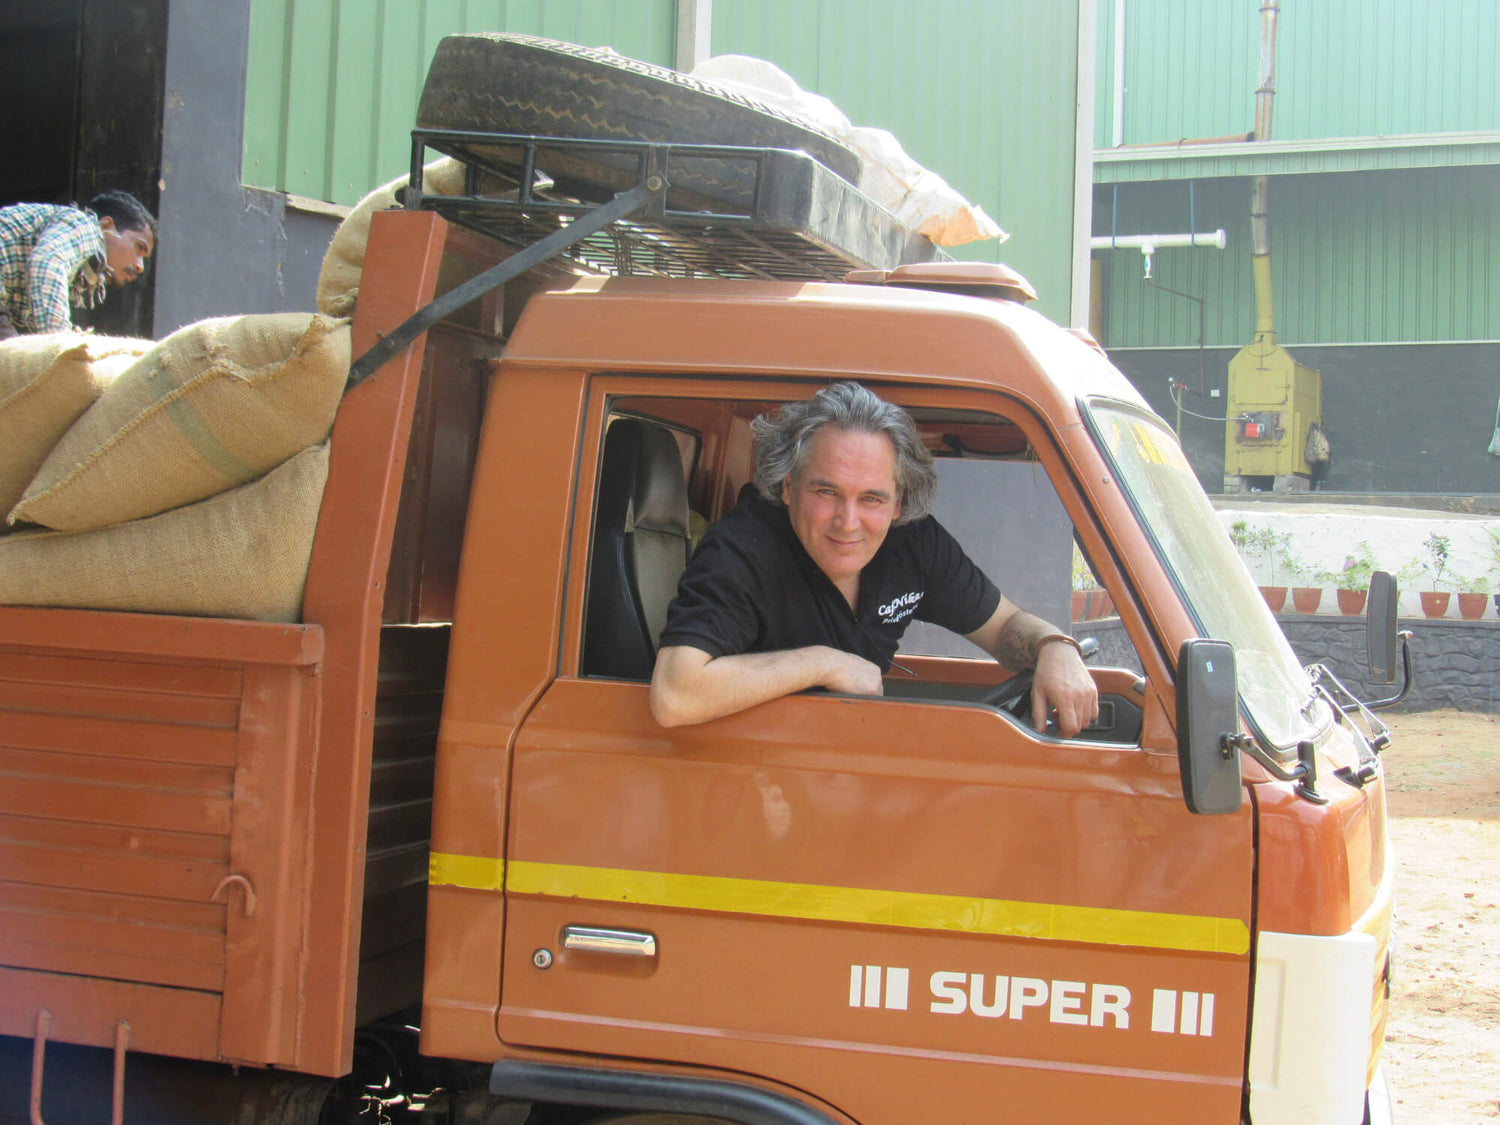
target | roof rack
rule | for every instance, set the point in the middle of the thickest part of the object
(771, 214)
(756, 213)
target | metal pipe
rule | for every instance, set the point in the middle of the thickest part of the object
(1260, 189)
(39, 1064)
(1265, 92)
(1216, 239)
(1117, 133)
(117, 1098)
(694, 33)
(1149, 244)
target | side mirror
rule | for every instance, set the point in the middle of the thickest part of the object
(1380, 628)
(1208, 727)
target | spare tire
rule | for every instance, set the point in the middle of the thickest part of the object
(500, 83)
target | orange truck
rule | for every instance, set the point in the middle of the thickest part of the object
(426, 856)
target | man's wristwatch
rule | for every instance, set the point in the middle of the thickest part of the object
(1063, 637)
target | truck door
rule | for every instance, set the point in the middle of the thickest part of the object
(913, 907)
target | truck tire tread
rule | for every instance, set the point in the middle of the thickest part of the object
(496, 82)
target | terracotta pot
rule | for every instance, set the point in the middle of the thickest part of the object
(1307, 598)
(1434, 602)
(1352, 602)
(1080, 603)
(1471, 606)
(1100, 604)
(1275, 597)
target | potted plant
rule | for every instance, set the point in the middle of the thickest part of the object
(1305, 599)
(1351, 582)
(1472, 596)
(1434, 600)
(1495, 558)
(1263, 543)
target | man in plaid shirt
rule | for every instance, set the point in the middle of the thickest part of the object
(54, 259)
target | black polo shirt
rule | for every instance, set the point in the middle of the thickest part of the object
(752, 587)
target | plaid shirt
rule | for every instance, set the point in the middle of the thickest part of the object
(51, 258)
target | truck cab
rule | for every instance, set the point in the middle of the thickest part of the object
(913, 905)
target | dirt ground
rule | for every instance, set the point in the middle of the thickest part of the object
(1442, 1049)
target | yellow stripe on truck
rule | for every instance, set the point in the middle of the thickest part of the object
(477, 872)
(954, 913)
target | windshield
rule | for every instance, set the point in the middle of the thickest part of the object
(1215, 586)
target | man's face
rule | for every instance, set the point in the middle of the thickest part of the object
(844, 501)
(125, 251)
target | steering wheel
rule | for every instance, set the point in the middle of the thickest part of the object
(1014, 691)
(1014, 695)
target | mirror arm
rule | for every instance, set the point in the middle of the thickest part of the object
(1344, 703)
(1376, 704)
(1304, 774)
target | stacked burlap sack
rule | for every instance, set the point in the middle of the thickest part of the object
(344, 262)
(176, 477)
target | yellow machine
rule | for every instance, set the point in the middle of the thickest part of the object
(1273, 400)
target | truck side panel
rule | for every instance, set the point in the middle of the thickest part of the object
(133, 746)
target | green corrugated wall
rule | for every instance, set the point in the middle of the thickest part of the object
(1344, 68)
(982, 91)
(332, 85)
(1408, 255)
(1409, 252)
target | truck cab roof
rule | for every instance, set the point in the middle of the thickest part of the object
(875, 332)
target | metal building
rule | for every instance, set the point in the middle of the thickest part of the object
(1383, 166)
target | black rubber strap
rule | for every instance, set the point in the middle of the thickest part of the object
(626, 203)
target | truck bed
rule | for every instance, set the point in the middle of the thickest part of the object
(207, 827)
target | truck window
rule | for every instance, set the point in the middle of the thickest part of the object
(670, 467)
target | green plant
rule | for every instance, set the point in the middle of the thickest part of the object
(1480, 585)
(1083, 576)
(1409, 572)
(1265, 544)
(1239, 535)
(1297, 571)
(1356, 571)
(1437, 547)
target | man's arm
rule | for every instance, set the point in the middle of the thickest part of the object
(60, 250)
(690, 686)
(1062, 683)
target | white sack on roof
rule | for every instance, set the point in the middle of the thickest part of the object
(918, 196)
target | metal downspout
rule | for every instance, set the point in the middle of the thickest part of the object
(1260, 225)
(1117, 132)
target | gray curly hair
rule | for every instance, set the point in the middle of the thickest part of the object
(783, 440)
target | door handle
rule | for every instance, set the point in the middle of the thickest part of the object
(627, 943)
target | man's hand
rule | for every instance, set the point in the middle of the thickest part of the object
(850, 674)
(689, 686)
(1062, 684)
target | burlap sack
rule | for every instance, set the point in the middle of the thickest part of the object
(338, 280)
(212, 406)
(243, 553)
(46, 382)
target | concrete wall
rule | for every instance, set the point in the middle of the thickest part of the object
(225, 249)
(1410, 418)
(1453, 662)
(1321, 535)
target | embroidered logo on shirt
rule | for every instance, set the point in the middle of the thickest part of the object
(899, 608)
